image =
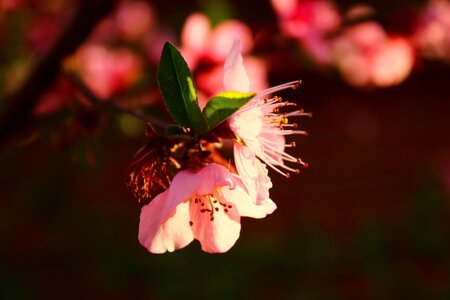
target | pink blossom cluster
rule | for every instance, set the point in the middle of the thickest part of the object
(364, 52)
(207, 203)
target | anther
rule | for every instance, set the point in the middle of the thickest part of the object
(297, 171)
(296, 85)
(305, 165)
(191, 223)
(225, 210)
(288, 175)
(211, 219)
(216, 209)
(293, 144)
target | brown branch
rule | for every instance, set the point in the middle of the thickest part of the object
(113, 103)
(18, 113)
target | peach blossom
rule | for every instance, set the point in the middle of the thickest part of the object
(107, 71)
(432, 34)
(366, 56)
(206, 206)
(134, 19)
(309, 22)
(207, 45)
(260, 129)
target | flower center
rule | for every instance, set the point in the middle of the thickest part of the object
(269, 144)
(210, 204)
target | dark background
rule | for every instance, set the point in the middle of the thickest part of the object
(367, 220)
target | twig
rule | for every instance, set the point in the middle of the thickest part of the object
(113, 103)
(18, 113)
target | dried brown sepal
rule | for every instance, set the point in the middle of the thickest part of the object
(159, 160)
(152, 170)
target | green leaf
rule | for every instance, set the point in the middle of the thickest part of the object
(222, 106)
(178, 90)
(174, 130)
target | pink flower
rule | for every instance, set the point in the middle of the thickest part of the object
(108, 71)
(134, 19)
(201, 41)
(432, 33)
(260, 128)
(309, 22)
(206, 206)
(205, 48)
(366, 55)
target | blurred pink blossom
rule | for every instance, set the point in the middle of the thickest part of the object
(107, 71)
(134, 19)
(432, 33)
(207, 46)
(199, 40)
(207, 209)
(366, 55)
(309, 21)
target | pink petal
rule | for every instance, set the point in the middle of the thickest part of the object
(279, 142)
(159, 236)
(253, 174)
(234, 74)
(219, 235)
(247, 122)
(164, 224)
(245, 204)
(223, 36)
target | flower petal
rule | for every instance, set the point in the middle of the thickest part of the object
(235, 76)
(247, 123)
(218, 235)
(278, 142)
(164, 224)
(245, 204)
(253, 173)
(159, 232)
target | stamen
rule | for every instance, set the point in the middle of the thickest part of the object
(277, 88)
(297, 84)
(276, 122)
(290, 104)
(305, 165)
(293, 125)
